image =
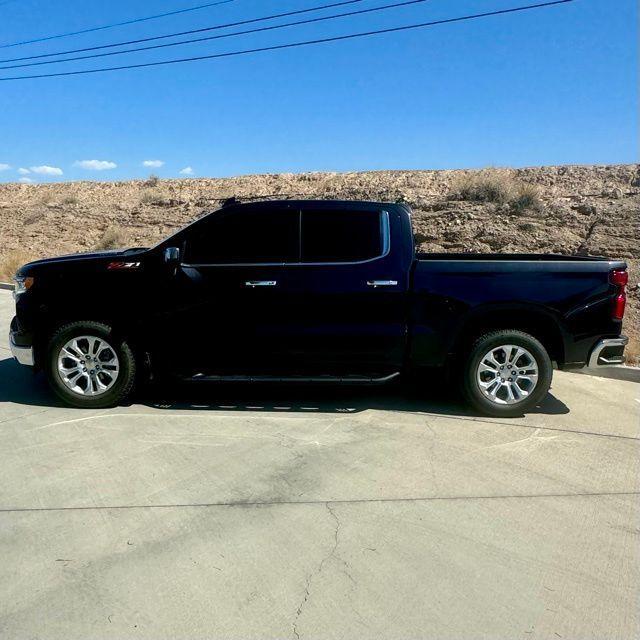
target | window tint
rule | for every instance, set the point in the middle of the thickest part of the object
(340, 236)
(245, 236)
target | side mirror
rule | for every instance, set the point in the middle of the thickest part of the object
(172, 256)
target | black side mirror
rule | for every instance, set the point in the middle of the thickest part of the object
(172, 256)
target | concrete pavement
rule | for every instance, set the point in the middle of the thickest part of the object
(273, 513)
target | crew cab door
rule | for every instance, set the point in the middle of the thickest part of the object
(230, 296)
(350, 290)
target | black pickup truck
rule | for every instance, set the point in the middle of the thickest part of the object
(315, 291)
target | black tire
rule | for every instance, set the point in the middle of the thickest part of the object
(494, 340)
(125, 379)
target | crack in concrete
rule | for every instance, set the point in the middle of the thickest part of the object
(349, 501)
(432, 444)
(300, 607)
(331, 555)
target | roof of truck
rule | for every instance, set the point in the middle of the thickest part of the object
(347, 204)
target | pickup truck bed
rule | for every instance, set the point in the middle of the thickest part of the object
(564, 299)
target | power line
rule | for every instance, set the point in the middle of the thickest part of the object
(186, 33)
(115, 24)
(224, 35)
(291, 45)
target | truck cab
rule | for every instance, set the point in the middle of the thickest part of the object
(292, 289)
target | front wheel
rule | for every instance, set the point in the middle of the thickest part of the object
(88, 366)
(507, 373)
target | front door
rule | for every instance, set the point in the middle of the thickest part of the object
(230, 295)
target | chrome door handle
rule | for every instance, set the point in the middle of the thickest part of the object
(260, 283)
(382, 283)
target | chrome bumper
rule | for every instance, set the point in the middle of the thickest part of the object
(596, 359)
(24, 355)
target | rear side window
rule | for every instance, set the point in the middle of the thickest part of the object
(247, 236)
(341, 236)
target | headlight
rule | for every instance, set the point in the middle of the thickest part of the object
(22, 284)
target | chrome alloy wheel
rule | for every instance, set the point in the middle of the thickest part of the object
(88, 365)
(507, 374)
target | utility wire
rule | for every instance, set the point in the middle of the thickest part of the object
(186, 33)
(115, 24)
(394, 5)
(291, 45)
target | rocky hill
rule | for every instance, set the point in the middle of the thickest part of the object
(567, 209)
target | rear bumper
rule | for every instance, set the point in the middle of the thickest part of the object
(608, 352)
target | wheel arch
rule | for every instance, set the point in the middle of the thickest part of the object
(537, 321)
(54, 319)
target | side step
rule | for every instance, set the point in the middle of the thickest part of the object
(201, 377)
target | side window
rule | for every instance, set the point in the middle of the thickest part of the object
(341, 236)
(245, 236)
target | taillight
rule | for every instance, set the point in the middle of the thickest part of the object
(620, 302)
(619, 278)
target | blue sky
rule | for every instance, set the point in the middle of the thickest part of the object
(552, 86)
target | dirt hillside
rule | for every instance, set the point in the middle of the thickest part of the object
(590, 210)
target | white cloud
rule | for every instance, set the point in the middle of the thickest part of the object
(46, 170)
(4, 167)
(154, 164)
(25, 180)
(23, 172)
(95, 165)
(187, 171)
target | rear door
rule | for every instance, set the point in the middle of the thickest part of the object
(350, 291)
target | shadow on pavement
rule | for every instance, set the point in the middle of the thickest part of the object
(628, 374)
(324, 399)
(19, 385)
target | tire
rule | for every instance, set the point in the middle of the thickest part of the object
(512, 395)
(69, 362)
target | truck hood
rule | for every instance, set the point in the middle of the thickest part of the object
(68, 260)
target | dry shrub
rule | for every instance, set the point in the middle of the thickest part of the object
(152, 181)
(70, 200)
(147, 197)
(11, 262)
(152, 198)
(498, 187)
(483, 186)
(112, 238)
(526, 198)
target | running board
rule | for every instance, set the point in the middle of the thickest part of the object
(305, 379)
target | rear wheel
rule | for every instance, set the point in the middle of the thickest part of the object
(507, 373)
(88, 366)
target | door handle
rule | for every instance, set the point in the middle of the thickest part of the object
(382, 283)
(260, 283)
